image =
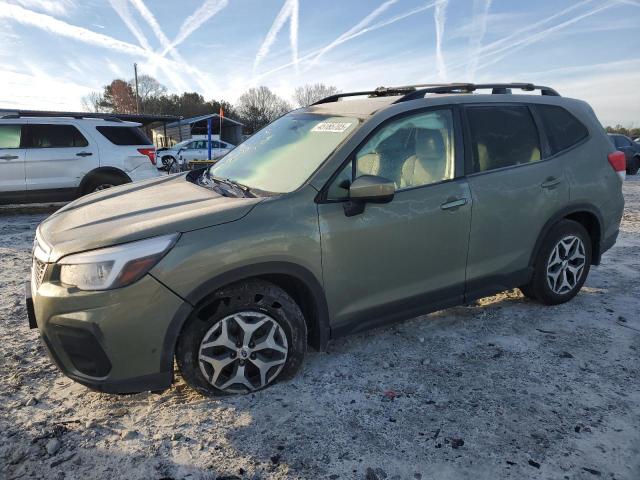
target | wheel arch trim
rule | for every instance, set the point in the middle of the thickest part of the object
(319, 333)
(563, 213)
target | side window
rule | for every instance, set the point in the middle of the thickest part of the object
(339, 188)
(10, 136)
(54, 136)
(412, 151)
(502, 136)
(563, 129)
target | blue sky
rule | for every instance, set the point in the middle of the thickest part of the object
(55, 51)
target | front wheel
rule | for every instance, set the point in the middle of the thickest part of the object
(245, 338)
(562, 265)
(634, 166)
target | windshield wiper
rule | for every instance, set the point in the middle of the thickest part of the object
(246, 191)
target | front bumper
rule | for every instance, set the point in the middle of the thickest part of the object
(112, 341)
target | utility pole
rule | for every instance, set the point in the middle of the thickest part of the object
(135, 75)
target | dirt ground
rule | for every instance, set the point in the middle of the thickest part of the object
(504, 388)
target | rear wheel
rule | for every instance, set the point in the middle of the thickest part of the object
(248, 336)
(102, 181)
(562, 265)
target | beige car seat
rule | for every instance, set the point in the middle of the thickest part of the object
(429, 164)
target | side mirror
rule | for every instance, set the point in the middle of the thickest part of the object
(368, 189)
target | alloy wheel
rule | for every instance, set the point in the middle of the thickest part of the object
(566, 264)
(243, 352)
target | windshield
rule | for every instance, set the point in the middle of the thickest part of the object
(281, 156)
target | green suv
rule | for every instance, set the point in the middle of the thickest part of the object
(338, 217)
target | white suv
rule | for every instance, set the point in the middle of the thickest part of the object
(50, 159)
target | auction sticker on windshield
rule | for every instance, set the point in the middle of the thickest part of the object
(331, 127)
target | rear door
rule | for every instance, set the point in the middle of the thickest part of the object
(58, 156)
(12, 174)
(516, 187)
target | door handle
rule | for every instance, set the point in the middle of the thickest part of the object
(84, 154)
(453, 203)
(551, 182)
(9, 157)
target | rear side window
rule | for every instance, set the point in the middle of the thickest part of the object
(563, 129)
(502, 137)
(124, 135)
(10, 136)
(54, 136)
(621, 141)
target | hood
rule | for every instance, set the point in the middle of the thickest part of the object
(135, 211)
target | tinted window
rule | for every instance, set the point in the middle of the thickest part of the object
(622, 141)
(54, 136)
(10, 136)
(502, 137)
(124, 135)
(563, 129)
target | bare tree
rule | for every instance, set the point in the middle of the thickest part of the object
(92, 102)
(260, 106)
(148, 87)
(308, 94)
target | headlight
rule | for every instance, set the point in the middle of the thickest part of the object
(114, 267)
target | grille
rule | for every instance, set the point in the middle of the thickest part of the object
(38, 270)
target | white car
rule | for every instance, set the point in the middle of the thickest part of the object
(51, 159)
(190, 150)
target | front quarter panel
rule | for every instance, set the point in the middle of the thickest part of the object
(280, 230)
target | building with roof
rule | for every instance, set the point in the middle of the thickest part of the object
(184, 129)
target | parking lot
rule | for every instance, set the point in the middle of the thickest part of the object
(503, 388)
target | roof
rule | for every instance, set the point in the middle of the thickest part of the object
(359, 108)
(144, 119)
(200, 118)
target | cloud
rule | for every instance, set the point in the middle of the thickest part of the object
(207, 10)
(440, 17)
(121, 7)
(288, 11)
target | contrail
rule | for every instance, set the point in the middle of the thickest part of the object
(440, 17)
(352, 31)
(475, 40)
(288, 11)
(371, 28)
(121, 7)
(64, 29)
(536, 37)
(207, 10)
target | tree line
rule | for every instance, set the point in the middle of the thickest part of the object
(631, 132)
(255, 108)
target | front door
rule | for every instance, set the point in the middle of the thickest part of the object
(12, 176)
(408, 256)
(516, 191)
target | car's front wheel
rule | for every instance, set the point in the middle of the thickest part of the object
(246, 337)
(562, 265)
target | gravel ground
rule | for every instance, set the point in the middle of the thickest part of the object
(504, 388)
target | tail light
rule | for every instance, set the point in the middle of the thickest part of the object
(619, 163)
(149, 152)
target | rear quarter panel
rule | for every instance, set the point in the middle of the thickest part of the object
(592, 181)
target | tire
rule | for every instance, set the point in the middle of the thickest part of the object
(562, 264)
(102, 181)
(634, 166)
(215, 363)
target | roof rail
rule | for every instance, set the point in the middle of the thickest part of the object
(496, 89)
(413, 92)
(110, 117)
